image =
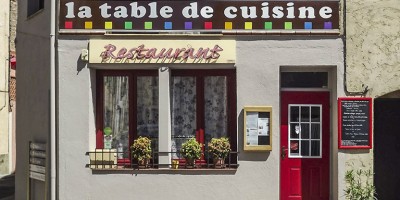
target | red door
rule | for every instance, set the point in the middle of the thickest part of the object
(305, 133)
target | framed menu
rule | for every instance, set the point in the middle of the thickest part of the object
(257, 128)
(355, 123)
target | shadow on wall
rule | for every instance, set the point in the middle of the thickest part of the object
(355, 151)
(248, 155)
(395, 94)
(80, 64)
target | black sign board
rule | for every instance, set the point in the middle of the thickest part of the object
(200, 16)
(355, 123)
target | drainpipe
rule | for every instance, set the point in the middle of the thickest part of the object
(10, 118)
(52, 100)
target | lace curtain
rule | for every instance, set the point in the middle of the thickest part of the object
(116, 111)
(147, 109)
(183, 111)
(215, 100)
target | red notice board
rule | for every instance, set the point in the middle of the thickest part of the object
(355, 123)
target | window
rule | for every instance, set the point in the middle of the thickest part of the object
(127, 107)
(203, 105)
(34, 6)
(304, 80)
(305, 134)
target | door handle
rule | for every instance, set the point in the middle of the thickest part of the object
(283, 152)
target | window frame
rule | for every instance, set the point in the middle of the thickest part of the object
(132, 99)
(230, 75)
(132, 79)
(34, 6)
(308, 122)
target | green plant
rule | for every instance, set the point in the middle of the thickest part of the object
(359, 185)
(191, 149)
(141, 148)
(219, 147)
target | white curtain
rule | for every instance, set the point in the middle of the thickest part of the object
(147, 109)
(183, 111)
(215, 100)
(116, 110)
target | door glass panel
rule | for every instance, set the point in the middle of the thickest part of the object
(315, 148)
(315, 114)
(306, 134)
(315, 131)
(294, 147)
(147, 108)
(305, 114)
(215, 107)
(183, 110)
(305, 148)
(294, 130)
(294, 113)
(116, 113)
(305, 131)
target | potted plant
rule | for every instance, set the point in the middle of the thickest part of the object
(191, 150)
(219, 148)
(141, 150)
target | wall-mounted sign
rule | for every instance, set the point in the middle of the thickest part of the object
(257, 128)
(162, 51)
(355, 123)
(198, 15)
(37, 161)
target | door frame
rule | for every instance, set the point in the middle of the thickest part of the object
(333, 92)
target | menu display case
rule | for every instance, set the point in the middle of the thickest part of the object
(257, 128)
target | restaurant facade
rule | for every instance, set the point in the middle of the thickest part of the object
(267, 75)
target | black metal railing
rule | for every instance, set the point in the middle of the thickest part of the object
(109, 159)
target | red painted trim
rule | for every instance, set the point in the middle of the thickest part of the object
(340, 146)
(99, 110)
(201, 140)
(132, 111)
(232, 113)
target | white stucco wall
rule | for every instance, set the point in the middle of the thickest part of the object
(4, 65)
(259, 60)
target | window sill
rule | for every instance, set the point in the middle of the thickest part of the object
(197, 171)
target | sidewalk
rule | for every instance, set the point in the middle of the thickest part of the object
(7, 187)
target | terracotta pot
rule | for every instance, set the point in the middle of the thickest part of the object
(190, 163)
(142, 164)
(219, 163)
